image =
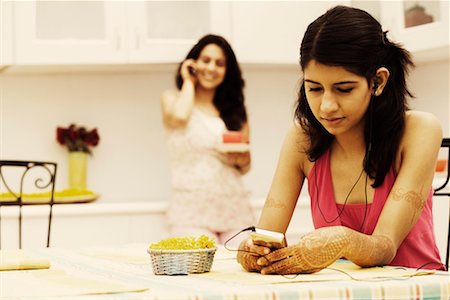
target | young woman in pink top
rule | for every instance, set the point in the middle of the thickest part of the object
(368, 159)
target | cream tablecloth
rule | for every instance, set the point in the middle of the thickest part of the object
(125, 273)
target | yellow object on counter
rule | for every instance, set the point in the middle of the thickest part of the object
(19, 260)
(184, 243)
(63, 196)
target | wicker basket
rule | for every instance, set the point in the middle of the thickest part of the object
(177, 262)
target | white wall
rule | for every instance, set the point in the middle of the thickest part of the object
(430, 83)
(130, 162)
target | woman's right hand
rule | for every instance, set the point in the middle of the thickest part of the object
(185, 71)
(249, 253)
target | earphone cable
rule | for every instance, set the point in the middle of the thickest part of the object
(250, 228)
(366, 162)
(345, 201)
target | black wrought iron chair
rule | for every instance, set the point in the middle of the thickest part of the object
(443, 190)
(17, 178)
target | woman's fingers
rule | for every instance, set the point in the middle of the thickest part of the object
(249, 255)
(278, 254)
(238, 158)
(279, 267)
(248, 247)
(188, 64)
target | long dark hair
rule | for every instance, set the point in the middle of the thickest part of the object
(351, 38)
(229, 96)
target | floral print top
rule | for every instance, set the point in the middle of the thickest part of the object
(205, 192)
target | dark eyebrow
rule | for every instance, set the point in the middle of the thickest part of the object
(311, 81)
(337, 83)
(345, 82)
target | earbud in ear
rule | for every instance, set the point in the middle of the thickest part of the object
(375, 91)
(375, 86)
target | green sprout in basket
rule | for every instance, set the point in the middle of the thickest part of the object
(184, 243)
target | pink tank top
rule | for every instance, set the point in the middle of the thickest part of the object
(419, 246)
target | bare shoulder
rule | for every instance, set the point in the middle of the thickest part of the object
(299, 135)
(422, 124)
(421, 128)
(298, 143)
(421, 116)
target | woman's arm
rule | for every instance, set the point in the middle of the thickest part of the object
(416, 162)
(324, 246)
(419, 149)
(281, 200)
(177, 106)
(286, 184)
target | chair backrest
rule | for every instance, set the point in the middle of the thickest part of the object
(26, 183)
(444, 190)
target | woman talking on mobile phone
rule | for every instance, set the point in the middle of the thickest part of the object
(208, 194)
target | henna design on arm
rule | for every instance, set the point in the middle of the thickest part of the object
(370, 250)
(274, 203)
(413, 198)
(324, 246)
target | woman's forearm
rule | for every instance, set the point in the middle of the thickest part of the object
(369, 250)
(326, 245)
(182, 107)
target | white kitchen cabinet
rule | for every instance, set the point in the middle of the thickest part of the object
(427, 42)
(110, 32)
(69, 32)
(6, 31)
(164, 31)
(271, 31)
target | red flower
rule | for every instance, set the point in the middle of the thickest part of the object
(92, 138)
(61, 135)
(77, 138)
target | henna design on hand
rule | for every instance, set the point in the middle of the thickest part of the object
(324, 246)
(315, 251)
(247, 259)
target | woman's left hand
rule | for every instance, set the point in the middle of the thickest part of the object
(238, 159)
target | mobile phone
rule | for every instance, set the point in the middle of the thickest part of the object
(192, 71)
(263, 236)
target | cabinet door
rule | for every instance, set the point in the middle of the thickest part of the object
(164, 31)
(427, 41)
(6, 31)
(271, 31)
(69, 32)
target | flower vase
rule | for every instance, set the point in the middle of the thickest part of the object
(77, 170)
